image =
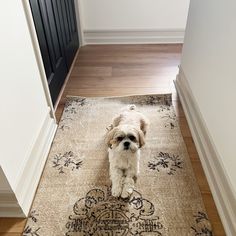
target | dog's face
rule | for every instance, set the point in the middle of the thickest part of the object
(125, 138)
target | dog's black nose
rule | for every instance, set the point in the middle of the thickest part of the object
(126, 144)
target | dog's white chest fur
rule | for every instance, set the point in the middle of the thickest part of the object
(124, 160)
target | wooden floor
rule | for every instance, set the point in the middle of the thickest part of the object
(116, 70)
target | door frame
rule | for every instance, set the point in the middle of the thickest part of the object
(38, 56)
(79, 19)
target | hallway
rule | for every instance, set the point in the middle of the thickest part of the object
(118, 70)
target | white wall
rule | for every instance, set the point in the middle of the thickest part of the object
(208, 62)
(207, 87)
(133, 21)
(22, 99)
(23, 103)
(134, 14)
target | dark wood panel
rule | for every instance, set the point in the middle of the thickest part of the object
(55, 23)
(69, 28)
(44, 47)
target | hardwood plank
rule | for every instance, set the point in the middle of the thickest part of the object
(213, 215)
(12, 225)
(144, 71)
(132, 59)
(91, 71)
(201, 180)
(192, 151)
(178, 108)
(123, 81)
(118, 91)
(10, 234)
(184, 127)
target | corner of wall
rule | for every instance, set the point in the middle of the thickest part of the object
(17, 202)
(33, 169)
(220, 185)
(9, 206)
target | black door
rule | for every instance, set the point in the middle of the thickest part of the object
(69, 28)
(56, 28)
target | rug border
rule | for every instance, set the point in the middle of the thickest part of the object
(124, 96)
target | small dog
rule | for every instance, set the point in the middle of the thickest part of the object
(125, 137)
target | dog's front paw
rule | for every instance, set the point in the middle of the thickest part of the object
(127, 191)
(116, 191)
(109, 128)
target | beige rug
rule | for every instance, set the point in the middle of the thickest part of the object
(74, 195)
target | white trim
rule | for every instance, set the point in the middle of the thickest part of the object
(30, 176)
(18, 203)
(66, 81)
(80, 22)
(38, 56)
(9, 206)
(220, 185)
(133, 36)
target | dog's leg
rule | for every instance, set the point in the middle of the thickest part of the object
(128, 187)
(117, 179)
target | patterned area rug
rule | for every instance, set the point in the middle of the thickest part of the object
(74, 195)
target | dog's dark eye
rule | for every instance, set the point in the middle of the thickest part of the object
(132, 138)
(119, 139)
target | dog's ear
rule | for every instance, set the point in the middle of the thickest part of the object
(109, 136)
(144, 125)
(116, 120)
(141, 138)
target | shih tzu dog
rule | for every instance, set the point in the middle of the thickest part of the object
(125, 137)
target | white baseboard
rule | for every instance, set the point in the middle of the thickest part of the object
(139, 36)
(9, 206)
(18, 203)
(220, 185)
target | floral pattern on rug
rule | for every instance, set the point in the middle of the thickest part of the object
(66, 161)
(71, 108)
(32, 229)
(168, 114)
(202, 225)
(164, 161)
(153, 100)
(73, 103)
(64, 123)
(98, 213)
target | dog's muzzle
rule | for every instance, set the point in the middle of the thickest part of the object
(126, 145)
